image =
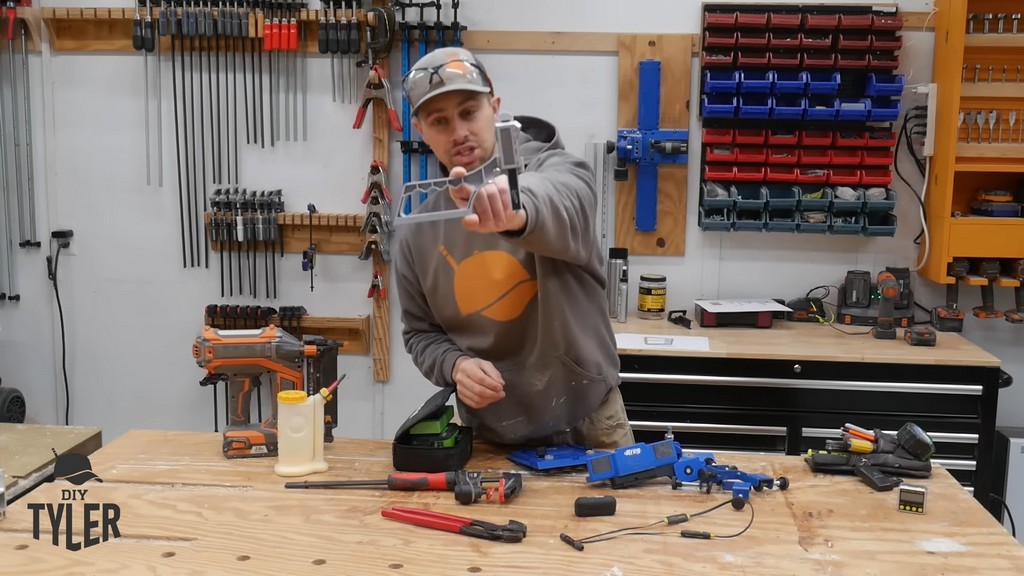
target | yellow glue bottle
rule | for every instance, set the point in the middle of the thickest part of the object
(300, 432)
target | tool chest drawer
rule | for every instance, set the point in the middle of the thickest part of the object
(790, 407)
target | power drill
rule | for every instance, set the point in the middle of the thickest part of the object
(888, 288)
(1015, 270)
(989, 270)
(950, 318)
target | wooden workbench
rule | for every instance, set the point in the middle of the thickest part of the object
(185, 509)
(811, 341)
(26, 457)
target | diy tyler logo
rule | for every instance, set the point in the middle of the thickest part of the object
(98, 521)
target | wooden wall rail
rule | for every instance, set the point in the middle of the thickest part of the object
(353, 332)
(109, 30)
(333, 233)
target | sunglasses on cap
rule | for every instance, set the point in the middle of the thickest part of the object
(423, 83)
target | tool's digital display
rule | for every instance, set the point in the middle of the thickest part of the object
(914, 498)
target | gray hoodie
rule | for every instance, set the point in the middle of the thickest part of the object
(532, 304)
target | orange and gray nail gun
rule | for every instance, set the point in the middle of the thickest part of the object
(241, 357)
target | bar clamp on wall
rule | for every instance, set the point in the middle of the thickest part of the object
(647, 146)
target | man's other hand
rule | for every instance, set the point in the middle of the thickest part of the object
(477, 382)
(492, 207)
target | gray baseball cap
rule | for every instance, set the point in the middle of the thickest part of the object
(444, 70)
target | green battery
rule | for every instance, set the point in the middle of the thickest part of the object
(435, 423)
(446, 439)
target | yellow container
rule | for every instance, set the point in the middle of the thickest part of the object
(300, 434)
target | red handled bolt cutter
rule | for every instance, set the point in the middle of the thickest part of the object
(513, 531)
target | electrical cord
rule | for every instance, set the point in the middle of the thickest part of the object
(828, 317)
(736, 502)
(1013, 527)
(926, 241)
(52, 262)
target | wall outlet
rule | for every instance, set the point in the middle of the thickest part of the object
(64, 237)
(929, 137)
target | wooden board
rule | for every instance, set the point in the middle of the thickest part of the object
(26, 451)
(381, 313)
(674, 52)
(809, 342)
(185, 509)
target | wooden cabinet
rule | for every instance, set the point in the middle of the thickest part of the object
(976, 72)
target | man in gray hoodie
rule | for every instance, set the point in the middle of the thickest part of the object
(508, 305)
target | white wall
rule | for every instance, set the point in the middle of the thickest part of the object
(132, 311)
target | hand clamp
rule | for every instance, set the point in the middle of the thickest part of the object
(377, 87)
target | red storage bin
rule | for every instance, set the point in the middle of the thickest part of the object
(717, 135)
(819, 59)
(881, 139)
(783, 58)
(886, 22)
(718, 58)
(847, 157)
(816, 40)
(749, 173)
(752, 39)
(815, 138)
(876, 177)
(856, 61)
(747, 154)
(784, 40)
(786, 156)
(778, 20)
(719, 19)
(815, 156)
(886, 42)
(752, 58)
(719, 172)
(783, 138)
(849, 41)
(850, 139)
(749, 136)
(883, 62)
(780, 174)
(855, 21)
(845, 176)
(878, 157)
(720, 38)
(811, 175)
(821, 21)
(751, 19)
(720, 153)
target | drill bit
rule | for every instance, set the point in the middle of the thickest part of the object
(970, 124)
(970, 23)
(980, 118)
(990, 74)
(977, 71)
(963, 75)
(1012, 120)
(959, 125)
(993, 117)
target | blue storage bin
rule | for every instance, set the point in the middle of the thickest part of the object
(755, 106)
(755, 82)
(847, 223)
(750, 196)
(880, 224)
(721, 81)
(884, 110)
(749, 220)
(782, 221)
(814, 197)
(715, 219)
(813, 221)
(789, 82)
(822, 82)
(712, 200)
(717, 106)
(820, 108)
(841, 205)
(789, 107)
(886, 205)
(884, 84)
(855, 109)
(782, 196)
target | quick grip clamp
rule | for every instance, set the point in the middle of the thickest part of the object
(506, 160)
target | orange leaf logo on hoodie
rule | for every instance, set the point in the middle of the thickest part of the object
(491, 283)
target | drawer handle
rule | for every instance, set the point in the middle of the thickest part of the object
(649, 426)
(911, 387)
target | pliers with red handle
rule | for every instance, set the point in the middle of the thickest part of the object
(513, 531)
(377, 87)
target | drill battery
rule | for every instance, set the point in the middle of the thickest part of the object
(445, 439)
(920, 335)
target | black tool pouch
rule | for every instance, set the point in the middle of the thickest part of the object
(888, 463)
(407, 457)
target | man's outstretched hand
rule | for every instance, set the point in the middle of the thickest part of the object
(492, 207)
(477, 382)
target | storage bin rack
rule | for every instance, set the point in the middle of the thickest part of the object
(797, 100)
